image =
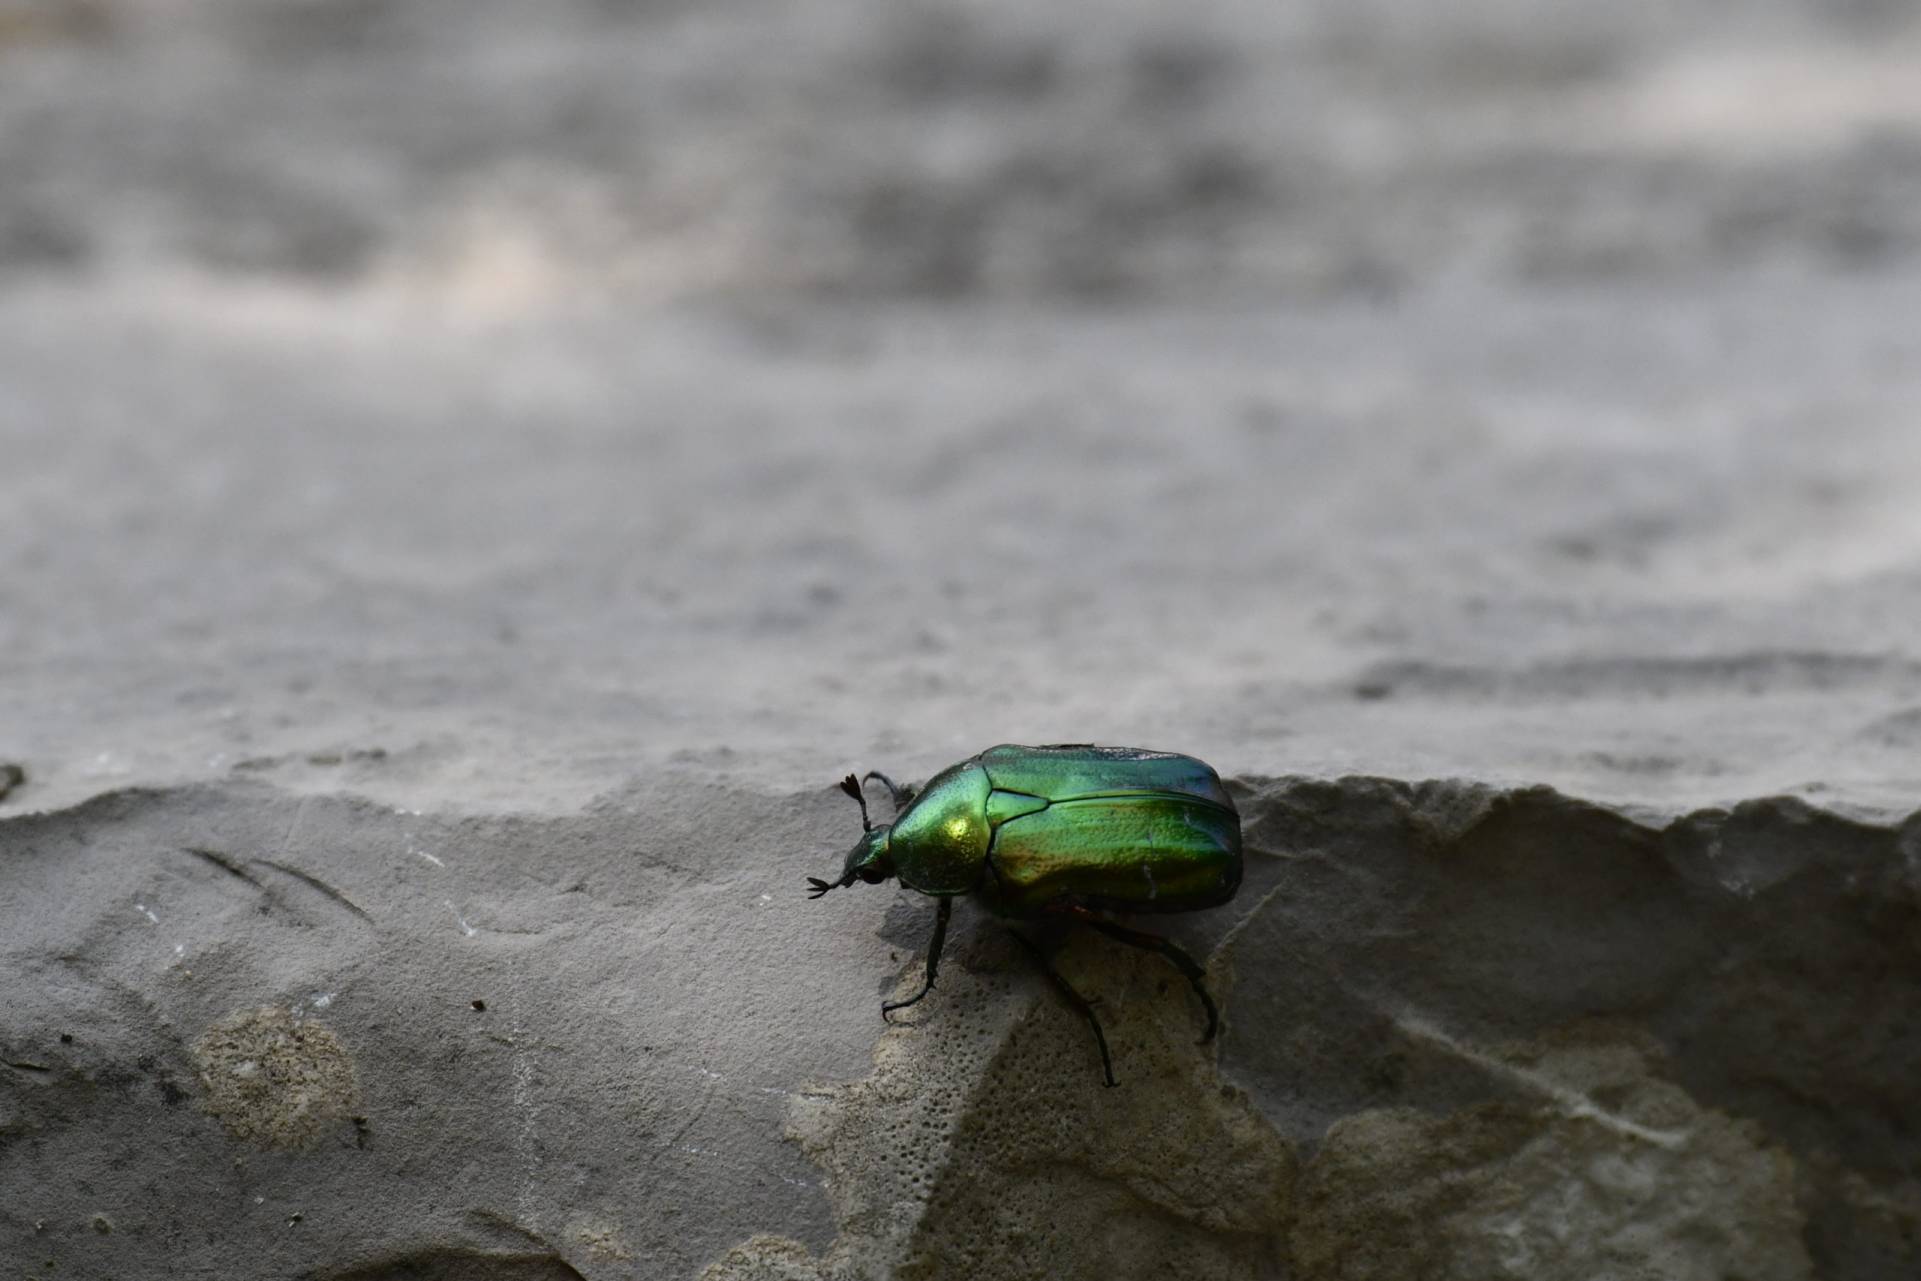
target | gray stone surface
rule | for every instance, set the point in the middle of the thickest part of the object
(472, 475)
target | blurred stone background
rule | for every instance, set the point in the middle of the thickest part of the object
(473, 474)
(961, 151)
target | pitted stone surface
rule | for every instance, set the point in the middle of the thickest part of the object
(986, 1143)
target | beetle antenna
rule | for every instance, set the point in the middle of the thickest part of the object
(817, 887)
(851, 786)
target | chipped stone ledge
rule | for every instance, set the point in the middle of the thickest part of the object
(1469, 1032)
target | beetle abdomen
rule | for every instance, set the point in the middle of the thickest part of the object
(1131, 852)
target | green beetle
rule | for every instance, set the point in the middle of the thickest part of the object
(1066, 830)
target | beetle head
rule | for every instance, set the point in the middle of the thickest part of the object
(869, 860)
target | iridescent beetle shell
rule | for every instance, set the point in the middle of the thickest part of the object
(1069, 830)
(1029, 828)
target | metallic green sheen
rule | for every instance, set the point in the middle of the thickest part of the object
(940, 842)
(1081, 769)
(1041, 828)
(1153, 852)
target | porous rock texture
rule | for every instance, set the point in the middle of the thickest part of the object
(473, 474)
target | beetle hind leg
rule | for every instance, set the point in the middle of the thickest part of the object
(1181, 961)
(1074, 999)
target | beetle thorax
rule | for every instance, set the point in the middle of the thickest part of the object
(940, 842)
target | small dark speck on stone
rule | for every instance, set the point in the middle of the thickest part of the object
(66, 1038)
(11, 776)
(1373, 691)
(479, 1004)
(102, 1224)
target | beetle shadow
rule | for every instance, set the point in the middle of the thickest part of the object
(909, 922)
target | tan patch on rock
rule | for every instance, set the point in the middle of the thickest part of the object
(273, 1079)
(1604, 1171)
(603, 1242)
(765, 1258)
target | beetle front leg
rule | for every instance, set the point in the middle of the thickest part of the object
(1074, 999)
(933, 960)
(1167, 948)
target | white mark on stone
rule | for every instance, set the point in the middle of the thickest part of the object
(322, 1000)
(1234, 931)
(524, 1138)
(293, 826)
(1571, 1101)
(1731, 879)
(722, 1077)
(460, 920)
(144, 911)
(415, 849)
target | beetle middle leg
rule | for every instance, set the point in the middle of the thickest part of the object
(1074, 999)
(933, 959)
(1155, 943)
